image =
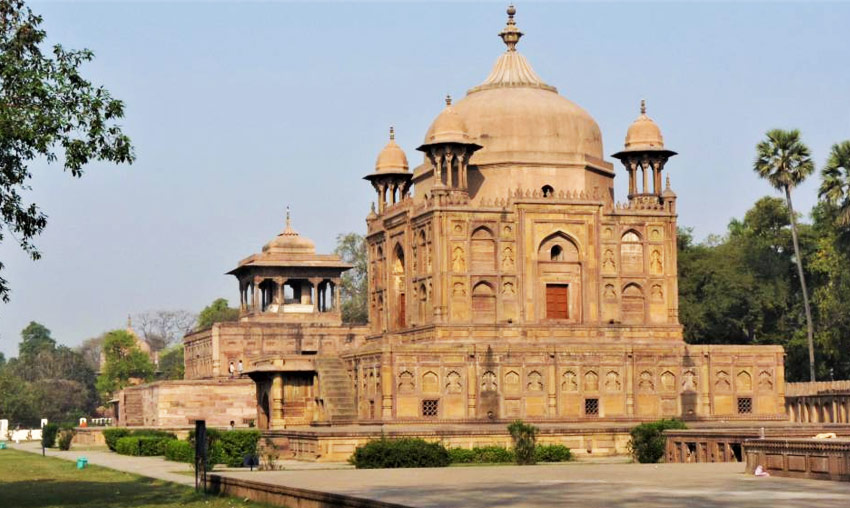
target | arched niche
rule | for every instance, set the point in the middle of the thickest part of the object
(483, 303)
(559, 271)
(398, 286)
(631, 252)
(482, 257)
(632, 305)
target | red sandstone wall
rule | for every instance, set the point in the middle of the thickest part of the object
(179, 403)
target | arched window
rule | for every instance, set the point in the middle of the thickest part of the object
(631, 253)
(558, 247)
(483, 303)
(548, 191)
(483, 256)
(556, 253)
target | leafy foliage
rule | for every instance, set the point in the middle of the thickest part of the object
(48, 435)
(143, 445)
(124, 361)
(36, 338)
(113, 434)
(524, 436)
(354, 288)
(400, 453)
(171, 364)
(552, 453)
(179, 451)
(217, 312)
(835, 183)
(47, 109)
(164, 328)
(230, 446)
(648, 442)
(65, 438)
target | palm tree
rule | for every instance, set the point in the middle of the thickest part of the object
(835, 187)
(784, 161)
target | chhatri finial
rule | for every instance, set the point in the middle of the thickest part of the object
(511, 34)
(373, 203)
(392, 133)
(643, 106)
(129, 322)
(448, 100)
(287, 217)
(668, 183)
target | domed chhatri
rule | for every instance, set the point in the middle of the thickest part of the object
(448, 127)
(644, 133)
(392, 158)
(289, 241)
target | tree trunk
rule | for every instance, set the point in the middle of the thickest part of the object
(809, 327)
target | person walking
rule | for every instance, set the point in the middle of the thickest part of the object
(231, 369)
(240, 368)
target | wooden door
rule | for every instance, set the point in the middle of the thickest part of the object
(557, 301)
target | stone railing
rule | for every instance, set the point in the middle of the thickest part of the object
(819, 459)
(802, 389)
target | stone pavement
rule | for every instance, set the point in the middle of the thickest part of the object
(579, 485)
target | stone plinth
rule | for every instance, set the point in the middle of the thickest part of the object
(818, 459)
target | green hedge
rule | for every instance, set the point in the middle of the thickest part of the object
(648, 441)
(179, 451)
(112, 435)
(398, 453)
(144, 446)
(127, 446)
(48, 435)
(230, 446)
(552, 453)
(482, 455)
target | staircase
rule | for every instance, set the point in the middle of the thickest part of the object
(336, 389)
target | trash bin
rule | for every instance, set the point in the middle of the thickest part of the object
(2, 445)
(81, 462)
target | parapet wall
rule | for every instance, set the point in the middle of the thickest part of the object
(814, 388)
(180, 403)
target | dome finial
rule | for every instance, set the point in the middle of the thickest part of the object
(287, 217)
(448, 100)
(668, 183)
(392, 133)
(643, 106)
(511, 34)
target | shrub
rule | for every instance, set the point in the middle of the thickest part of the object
(65, 438)
(552, 453)
(112, 435)
(396, 453)
(482, 455)
(524, 437)
(153, 433)
(236, 444)
(179, 451)
(648, 441)
(152, 446)
(48, 435)
(127, 446)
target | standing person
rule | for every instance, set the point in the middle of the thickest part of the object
(231, 369)
(240, 368)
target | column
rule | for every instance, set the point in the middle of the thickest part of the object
(315, 294)
(255, 293)
(382, 197)
(552, 385)
(449, 171)
(630, 385)
(276, 418)
(336, 295)
(471, 386)
(387, 382)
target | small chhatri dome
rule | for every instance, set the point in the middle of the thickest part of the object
(290, 242)
(448, 127)
(392, 158)
(644, 133)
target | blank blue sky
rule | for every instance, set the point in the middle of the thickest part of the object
(239, 109)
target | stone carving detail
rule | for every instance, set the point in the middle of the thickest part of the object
(512, 382)
(608, 264)
(458, 260)
(689, 381)
(535, 381)
(488, 381)
(655, 235)
(645, 382)
(743, 381)
(453, 383)
(656, 293)
(405, 382)
(612, 381)
(569, 383)
(508, 289)
(722, 383)
(430, 382)
(655, 265)
(610, 292)
(507, 258)
(458, 289)
(765, 381)
(591, 381)
(607, 233)
(668, 381)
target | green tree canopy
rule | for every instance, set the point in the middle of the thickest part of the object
(835, 183)
(217, 312)
(351, 248)
(124, 362)
(171, 362)
(48, 111)
(35, 339)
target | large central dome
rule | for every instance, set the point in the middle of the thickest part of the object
(517, 118)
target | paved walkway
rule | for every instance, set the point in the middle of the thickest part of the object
(567, 485)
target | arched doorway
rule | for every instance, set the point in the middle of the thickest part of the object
(263, 422)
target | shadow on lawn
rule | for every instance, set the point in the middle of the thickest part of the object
(93, 494)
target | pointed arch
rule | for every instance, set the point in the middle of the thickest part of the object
(482, 257)
(633, 310)
(559, 245)
(631, 252)
(483, 303)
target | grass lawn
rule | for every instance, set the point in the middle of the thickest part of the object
(29, 481)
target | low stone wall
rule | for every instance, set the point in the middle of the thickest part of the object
(819, 459)
(726, 445)
(180, 403)
(280, 495)
(337, 445)
(809, 388)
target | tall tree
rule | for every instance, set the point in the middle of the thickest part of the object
(171, 363)
(91, 350)
(351, 248)
(124, 363)
(785, 161)
(47, 111)
(35, 339)
(217, 312)
(835, 185)
(162, 328)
